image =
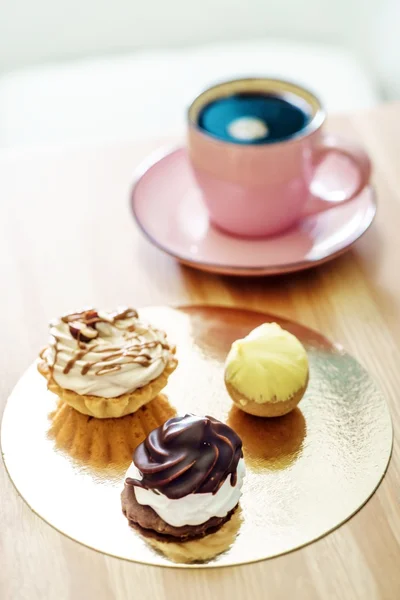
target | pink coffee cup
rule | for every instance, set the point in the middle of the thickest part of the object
(262, 189)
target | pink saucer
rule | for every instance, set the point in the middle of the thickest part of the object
(168, 208)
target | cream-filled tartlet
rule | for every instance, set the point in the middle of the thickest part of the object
(266, 373)
(185, 479)
(106, 364)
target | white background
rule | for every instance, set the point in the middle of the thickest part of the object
(34, 31)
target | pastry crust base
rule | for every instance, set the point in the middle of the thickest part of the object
(203, 549)
(272, 408)
(105, 408)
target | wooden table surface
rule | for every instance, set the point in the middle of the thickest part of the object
(67, 239)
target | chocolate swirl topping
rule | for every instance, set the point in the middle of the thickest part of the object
(188, 455)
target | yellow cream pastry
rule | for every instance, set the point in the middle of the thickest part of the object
(266, 373)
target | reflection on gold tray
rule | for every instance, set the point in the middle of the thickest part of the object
(269, 443)
(105, 443)
(307, 472)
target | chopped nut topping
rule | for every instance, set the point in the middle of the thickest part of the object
(82, 332)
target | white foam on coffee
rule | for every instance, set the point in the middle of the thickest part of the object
(248, 129)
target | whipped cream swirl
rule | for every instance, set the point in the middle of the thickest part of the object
(193, 509)
(105, 354)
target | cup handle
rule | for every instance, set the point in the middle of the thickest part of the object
(331, 143)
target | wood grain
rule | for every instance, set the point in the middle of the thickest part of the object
(67, 239)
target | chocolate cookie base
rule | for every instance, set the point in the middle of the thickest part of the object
(147, 521)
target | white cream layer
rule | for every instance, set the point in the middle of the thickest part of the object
(193, 509)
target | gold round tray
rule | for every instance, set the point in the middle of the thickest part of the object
(307, 472)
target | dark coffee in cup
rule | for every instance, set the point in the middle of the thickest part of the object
(254, 118)
(254, 146)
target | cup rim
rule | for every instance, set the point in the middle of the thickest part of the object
(315, 123)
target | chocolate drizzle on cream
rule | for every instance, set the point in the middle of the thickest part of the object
(89, 329)
(188, 455)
